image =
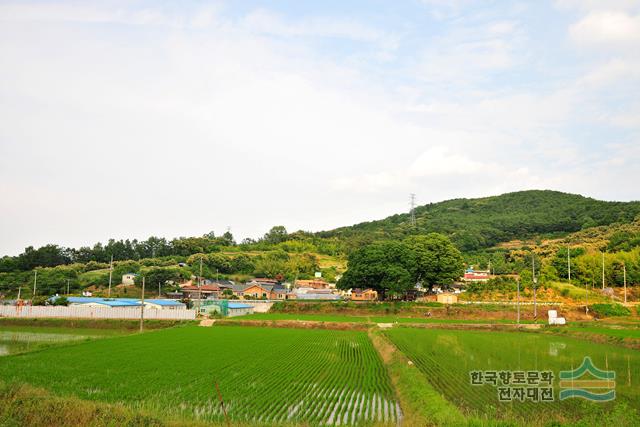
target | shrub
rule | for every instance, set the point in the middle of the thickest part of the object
(61, 301)
(608, 310)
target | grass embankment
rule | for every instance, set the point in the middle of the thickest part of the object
(421, 404)
(105, 324)
(23, 405)
(622, 333)
(270, 376)
(446, 358)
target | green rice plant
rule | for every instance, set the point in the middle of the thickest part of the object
(266, 376)
(446, 358)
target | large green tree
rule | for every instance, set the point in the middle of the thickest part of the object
(437, 260)
(384, 266)
(397, 267)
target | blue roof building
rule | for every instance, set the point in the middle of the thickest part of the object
(126, 302)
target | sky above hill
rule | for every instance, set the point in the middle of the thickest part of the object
(130, 119)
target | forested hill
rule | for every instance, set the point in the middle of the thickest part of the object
(479, 223)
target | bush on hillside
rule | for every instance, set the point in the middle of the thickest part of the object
(497, 284)
(610, 310)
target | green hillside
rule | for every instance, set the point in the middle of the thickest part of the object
(480, 223)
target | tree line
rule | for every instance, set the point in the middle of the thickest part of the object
(277, 237)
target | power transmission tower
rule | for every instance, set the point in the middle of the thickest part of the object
(413, 209)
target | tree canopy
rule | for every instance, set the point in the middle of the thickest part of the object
(397, 267)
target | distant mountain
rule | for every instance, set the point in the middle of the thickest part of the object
(474, 224)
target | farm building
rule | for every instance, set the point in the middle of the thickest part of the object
(164, 304)
(103, 302)
(239, 309)
(158, 304)
(364, 295)
(319, 294)
(447, 298)
(226, 308)
(129, 279)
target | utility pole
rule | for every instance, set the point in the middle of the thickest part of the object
(569, 262)
(67, 286)
(533, 280)
(159, 290)
(199, 287)
(586, 294)
(518, 299)
(413, 207)
(19, 291)
(142, 307)
(35, 281)
(603, 270)
(110, 274)
(624, 275)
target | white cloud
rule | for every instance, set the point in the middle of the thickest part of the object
(440, 161)
(607, 28)
(593, 5)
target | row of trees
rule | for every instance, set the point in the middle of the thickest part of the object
(157, 247)
(394, 267)
(274, 264)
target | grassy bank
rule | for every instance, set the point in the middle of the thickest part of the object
(119, 324)
(422, 405)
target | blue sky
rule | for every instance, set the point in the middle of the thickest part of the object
(130, 119)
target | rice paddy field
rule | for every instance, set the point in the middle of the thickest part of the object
(265, 376)
(446, 358)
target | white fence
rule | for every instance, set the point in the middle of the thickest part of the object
(259, 306)
(95, 312)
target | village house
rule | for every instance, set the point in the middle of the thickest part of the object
(314, 284)
(471, 275)
(364, 295)
(206, 291)
(129, 279)
(281, 294)
(256, 290)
